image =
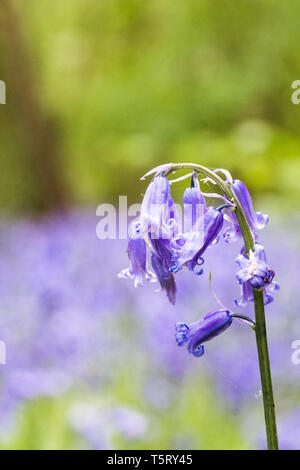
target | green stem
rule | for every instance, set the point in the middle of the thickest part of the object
(260, 328)
(261, 342)
(265, 370)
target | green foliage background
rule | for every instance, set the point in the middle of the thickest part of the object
(132, 83)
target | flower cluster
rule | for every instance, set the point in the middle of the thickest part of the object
(170, 248)
(173, 245)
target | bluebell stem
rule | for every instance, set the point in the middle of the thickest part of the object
(254, 274)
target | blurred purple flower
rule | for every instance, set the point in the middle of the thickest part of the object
(59, 294)
(98, 425)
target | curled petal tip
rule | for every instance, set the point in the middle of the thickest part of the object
(198, 351)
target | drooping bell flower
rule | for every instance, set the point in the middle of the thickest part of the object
(184, 245)
(256, 220)
(210, 326)
(155, 210)
(159, 222)
(137, 253)
(213, 223)
(162, 256)
(255, 272)
(254, 268)
(195, 242)
(194, 206)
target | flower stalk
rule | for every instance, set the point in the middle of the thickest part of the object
(172, 250)
(260, 323)
(265, 370)
(261, 341)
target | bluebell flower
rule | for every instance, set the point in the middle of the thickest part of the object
(186, 244)
(254, 268)
(194, 206)
(213, 223)
(156, 208)
(194, 243)
(256, 220)
(159, 222)
(137, 253)
(255, 272)
(210, 326)
(156, 227)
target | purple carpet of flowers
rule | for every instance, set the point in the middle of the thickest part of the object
(68, 323)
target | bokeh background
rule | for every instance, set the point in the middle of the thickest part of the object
(98, 92)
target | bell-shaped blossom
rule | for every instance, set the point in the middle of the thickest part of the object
(194, 206)
(255, 272)
(193, 244)
(256, 220)
(157, 226)
(254, 268)
(156, 207)
(137, 253)
(159, 220)
(210, 326)
(202, 226)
